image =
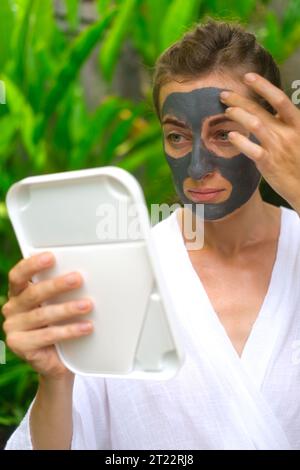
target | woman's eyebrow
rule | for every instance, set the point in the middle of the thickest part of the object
(170, 120)
(219, 120)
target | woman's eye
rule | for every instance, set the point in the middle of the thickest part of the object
(175, 138)
(223, 135)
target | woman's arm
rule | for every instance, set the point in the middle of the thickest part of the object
(51, 414)
(31, 332)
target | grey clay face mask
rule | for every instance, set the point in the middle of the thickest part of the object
(193, 107)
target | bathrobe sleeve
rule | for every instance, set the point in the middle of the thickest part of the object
(90, 419)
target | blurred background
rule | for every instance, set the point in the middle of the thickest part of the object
(77, 78)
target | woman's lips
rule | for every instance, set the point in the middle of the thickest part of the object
(204, 194)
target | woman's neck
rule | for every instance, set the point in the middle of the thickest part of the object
(253, 222)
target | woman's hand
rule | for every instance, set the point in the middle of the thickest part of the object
(30, 328)
(277, 156)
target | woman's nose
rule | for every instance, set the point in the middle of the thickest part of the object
(200, 164)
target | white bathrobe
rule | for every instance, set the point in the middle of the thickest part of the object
(217, 400)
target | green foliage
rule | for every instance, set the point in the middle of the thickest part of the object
(179, 15)
(232, 8)
(6, 28)
(47, 126)
(282, 36)
(69, 67)
(112, 44)
(73, 13)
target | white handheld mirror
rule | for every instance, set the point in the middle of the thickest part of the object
(96, 222)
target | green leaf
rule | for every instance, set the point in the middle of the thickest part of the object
(95, 130)
(292, 41)
(150, 133)
(146, 24)
(73, 13)
(69, 68)
(291, 28)
(245, 9)
(111, 46)
(7, 26)
(22, 112)
(41, 24)
(103, 5)
(140, 38)
(9, 126)
(291, 16)
(271, 35)
(140, 157)
(77, 115)
(11, 374)
(39, 62)
(154, 13)
(7, 421)
(17, 66)
(231, 9)
(179, 17)
(120, 132)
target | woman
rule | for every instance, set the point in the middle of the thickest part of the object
(237, 299)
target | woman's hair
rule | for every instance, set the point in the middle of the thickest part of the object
(215, 46)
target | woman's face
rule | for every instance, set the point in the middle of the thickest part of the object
(206, 167)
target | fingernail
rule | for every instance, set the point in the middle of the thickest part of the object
(227, 110)
(224, 94)
(250, 77)
(71, 279)
(85, 326)
(45, 259)
(83, 304)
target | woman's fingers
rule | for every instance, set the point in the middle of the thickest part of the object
(252, 123)
(47, 315)
(276, 97)
(21, 273)
(35, 294)
(230, 98)
(32, 329)
(244, 145)
(23, 342)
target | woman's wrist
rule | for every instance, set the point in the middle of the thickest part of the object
(56, 383)
(51, 413)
